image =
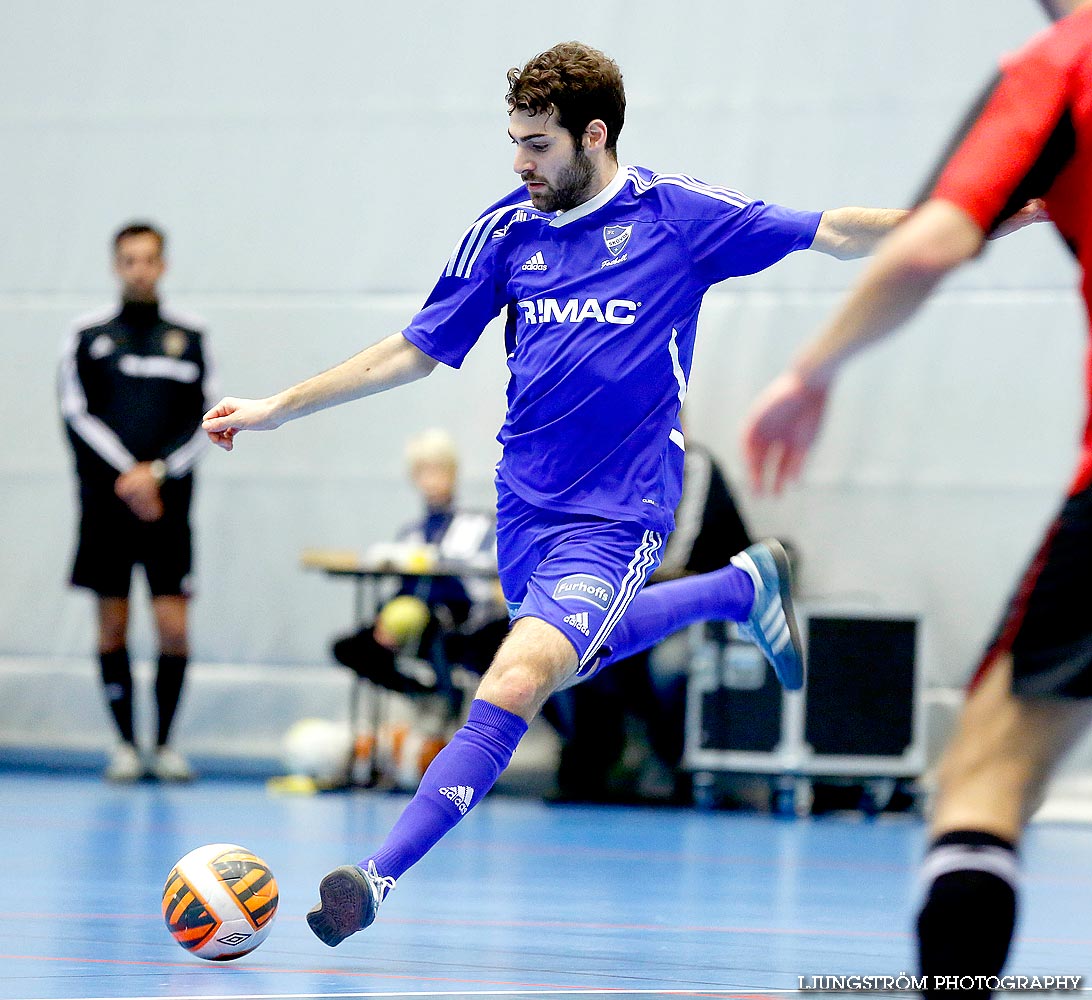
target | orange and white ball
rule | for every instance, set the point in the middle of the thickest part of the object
(219, 902)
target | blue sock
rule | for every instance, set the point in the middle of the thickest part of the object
(455, 781)
(656, 612)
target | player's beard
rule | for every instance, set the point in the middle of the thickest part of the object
(573, 186)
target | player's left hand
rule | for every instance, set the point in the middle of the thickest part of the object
(780, 429)
(1034, 211)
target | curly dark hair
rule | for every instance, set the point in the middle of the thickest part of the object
(578, 82)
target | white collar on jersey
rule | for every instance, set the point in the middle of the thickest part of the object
(607, 194)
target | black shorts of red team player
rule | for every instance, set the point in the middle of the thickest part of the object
(1048, 625)
(112, 540)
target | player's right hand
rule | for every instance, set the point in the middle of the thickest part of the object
(232, 415)
(780, 429)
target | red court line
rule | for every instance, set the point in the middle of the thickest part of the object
(449, 980)
(584, 925)
(615, 854)
(568, 925)
(739, 860)
(546, 850)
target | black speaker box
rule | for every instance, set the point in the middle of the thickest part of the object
(860, 686)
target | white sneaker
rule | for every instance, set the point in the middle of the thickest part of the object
(772, 622)
(125, 766)
(170, 765)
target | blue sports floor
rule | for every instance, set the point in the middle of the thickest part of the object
(522, 900)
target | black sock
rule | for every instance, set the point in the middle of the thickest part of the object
(966, 921)
(117, 683)
(168, 691)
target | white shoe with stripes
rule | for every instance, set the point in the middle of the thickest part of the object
(772, 624)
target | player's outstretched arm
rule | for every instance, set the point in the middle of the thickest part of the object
(389, 363)
(785, 419)
(848, 233)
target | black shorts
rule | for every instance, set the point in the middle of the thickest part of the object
(112, 540)
(1048, 625)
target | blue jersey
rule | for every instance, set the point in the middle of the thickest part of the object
(602, 306)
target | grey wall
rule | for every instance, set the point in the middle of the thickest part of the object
(314, 164)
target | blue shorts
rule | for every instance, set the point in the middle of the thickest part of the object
(576, 571)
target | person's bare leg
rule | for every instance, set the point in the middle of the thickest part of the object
(533, 662)
(992, 778)
(171, 613)
(113, 623)
(994, 770)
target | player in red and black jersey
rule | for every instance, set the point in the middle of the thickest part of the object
(1031, 698)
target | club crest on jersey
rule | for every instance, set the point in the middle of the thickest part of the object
(175, 343)
(101, 346)
(584, 587)
(616, 238)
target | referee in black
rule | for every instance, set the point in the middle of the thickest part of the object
(133, 384)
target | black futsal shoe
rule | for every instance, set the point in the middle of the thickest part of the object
(349, 899)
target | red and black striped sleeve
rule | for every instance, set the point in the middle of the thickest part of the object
(1018, 137)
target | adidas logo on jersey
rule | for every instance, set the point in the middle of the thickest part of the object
(579, 621)
(535, 263)
(461, 795)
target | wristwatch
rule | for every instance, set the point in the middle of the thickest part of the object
(159, 471)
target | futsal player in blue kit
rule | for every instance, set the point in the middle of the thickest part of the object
(600, 270)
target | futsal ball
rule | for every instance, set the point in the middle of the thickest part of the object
(318, 749)
(219, 902)
(404, 618)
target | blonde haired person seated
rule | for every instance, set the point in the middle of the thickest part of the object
(425, 610)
